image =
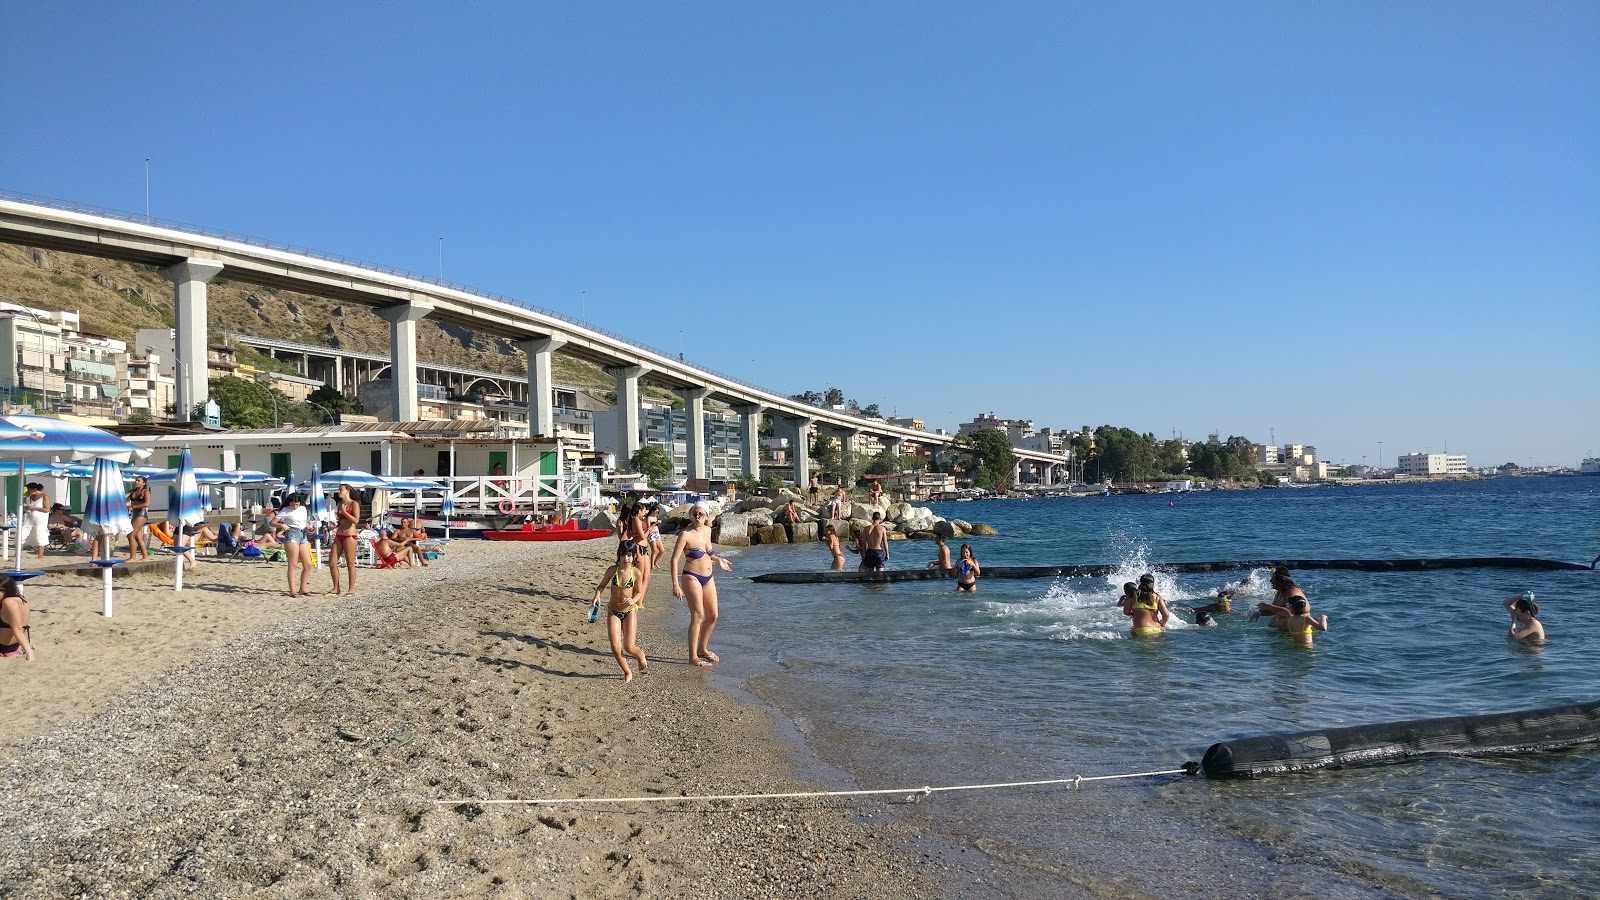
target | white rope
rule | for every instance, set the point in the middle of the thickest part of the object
(912, 793)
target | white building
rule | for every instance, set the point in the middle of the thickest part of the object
(1266, 454)
(1427, 464)
(1017, 430)
(668, 428)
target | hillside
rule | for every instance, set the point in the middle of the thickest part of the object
(116, 299)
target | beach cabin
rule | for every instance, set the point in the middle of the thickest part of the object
(485, 474)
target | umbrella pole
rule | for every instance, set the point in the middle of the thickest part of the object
(105, 604)
(22, 477)
(177, 551)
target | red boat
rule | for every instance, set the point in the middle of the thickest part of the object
(566, 531)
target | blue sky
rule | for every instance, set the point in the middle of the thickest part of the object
(1347, 223)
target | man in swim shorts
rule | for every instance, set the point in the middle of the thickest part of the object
(874, 544)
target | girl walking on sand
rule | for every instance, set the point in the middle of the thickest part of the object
(627, 595)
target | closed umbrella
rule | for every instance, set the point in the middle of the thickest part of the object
(107, 510)
(43, 439)
(187, 508)
(447, 509)
(316, 512)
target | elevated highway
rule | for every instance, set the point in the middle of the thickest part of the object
(191, 257)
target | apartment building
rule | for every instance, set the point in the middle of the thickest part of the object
(1428, 464)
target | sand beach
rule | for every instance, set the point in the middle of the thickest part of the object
(231, 740)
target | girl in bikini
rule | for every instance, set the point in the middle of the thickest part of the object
(627, 596)
(967, 571)
(639, 533)
(138, 511)
(830, 536)
(14, 616)
(347, 518)
(692, 558)
(1298, 624)
(1148, 609)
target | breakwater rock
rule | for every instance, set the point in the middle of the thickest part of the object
(765, 520)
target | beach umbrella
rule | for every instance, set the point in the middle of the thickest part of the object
(44, 439)
(107, 510)
(355, 478)
(317, 511)
(187, 508)
(447, 510)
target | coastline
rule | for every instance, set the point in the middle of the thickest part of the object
(300, 749)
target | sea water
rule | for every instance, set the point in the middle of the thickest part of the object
(912, 684)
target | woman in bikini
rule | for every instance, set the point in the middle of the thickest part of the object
(638, 533)
(347, 518)
(692, 558)
(1299, 623)
(830, 536)
(967, 571)
(1148, 609)
(14, 616)
(1283, 588)
(627, 596)
(138, 513)
(658, 548)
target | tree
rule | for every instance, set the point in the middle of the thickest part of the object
(329, 398)
(811, 398)
(849, 468)
(1170, 458)
(884, 463)
(871, 411)
(825, 450)
(833, 397)
(992, 460)
(652, 462)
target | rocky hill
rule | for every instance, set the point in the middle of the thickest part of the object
(116, 299)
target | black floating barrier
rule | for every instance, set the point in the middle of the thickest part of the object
(1553, 728)
(1097, 571)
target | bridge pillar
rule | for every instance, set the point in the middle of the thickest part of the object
(628, 434)
(189, 279)
(892, 445)
(1047, 474)
(847, 440)
(694, 407)
(800, 450)
(541, 387)
(1016, 473)
(750, 438)
(403, 321)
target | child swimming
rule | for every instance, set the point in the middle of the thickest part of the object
(1525, 625)
(627, 595)
(1299, 624)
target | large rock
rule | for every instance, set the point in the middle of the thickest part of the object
(946, 529)
(805, 533)
(841, 527)
(772, 534)
(863, 511)
(858, 525)
(731, 529)
(759, 518)
(981, 529)
(754, 503)
(600, 518)
(898, 512)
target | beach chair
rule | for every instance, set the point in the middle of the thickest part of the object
(227, 545)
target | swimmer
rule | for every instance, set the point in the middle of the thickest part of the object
(1130, 593)
(1283, 587)
(1524, 622)
(967, 571)
(1299, 623)
(627, 595)
(1148, 609)
(1223, 604)
(830, 537)
(942, 562)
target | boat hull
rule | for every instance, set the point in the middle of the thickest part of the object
(546, 534)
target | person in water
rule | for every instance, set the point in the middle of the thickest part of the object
(1148, 609)
(830, 536)
(1298, 624)
(1130, 593)
(693, 559)
(1283, 588)
(627, 596)
(874, 544)
(942, 562)
(1223, 604)
(1525, 624)
(967, 571)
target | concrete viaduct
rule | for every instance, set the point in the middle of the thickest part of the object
(190, 258)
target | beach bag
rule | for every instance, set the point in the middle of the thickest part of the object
(251, 551)
(275, 555)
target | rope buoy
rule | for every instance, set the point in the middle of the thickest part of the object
(1100, 571)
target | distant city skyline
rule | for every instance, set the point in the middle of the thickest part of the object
(1349, 224)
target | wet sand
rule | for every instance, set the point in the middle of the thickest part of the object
(231, 740)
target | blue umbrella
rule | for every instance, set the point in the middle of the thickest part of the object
(447, 509)
(355, 478)
(187, 508)
(43, 438)
(107, 509)
(317, 509)
(409, 483)
(201, 474)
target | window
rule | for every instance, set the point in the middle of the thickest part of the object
(330, 461)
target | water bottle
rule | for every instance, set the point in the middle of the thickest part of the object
(594, 611)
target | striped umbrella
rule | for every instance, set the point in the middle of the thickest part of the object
(317, 511)
(43, 439)
(447, 509)
(107, 510)
(355, 478)
(187, 508)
